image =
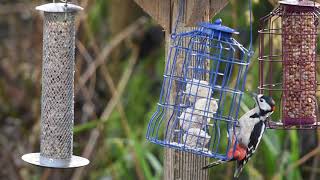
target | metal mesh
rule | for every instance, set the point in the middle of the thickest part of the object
(299, 67)
(57, 108)
(199, 101)
(288, 46)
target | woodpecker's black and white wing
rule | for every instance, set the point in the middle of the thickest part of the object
(245, 127)
(254, 141)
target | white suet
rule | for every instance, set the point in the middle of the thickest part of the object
(207, 106)
(197, 89)
(195, 137)
(191, 118)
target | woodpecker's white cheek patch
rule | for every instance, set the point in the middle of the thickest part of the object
(265, 106)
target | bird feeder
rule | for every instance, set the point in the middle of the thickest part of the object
(288, 39)
(57, 102)
(206, 99)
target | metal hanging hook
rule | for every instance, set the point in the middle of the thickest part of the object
(66, 10)
(180, 13)
(251, 27)
(65, 1)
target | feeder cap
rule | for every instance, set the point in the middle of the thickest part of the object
(217, 25)
(305, 3)
(59, 7)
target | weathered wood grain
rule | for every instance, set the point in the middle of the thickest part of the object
(177, 164)
(195, 10)
(159, 10)
(216, 6)
(181, 165)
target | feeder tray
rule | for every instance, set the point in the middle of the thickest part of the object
(37, 159)
(294, 26)
(57, 102)
(205, 104)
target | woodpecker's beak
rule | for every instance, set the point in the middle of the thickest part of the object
(254, 95)
(273, 105)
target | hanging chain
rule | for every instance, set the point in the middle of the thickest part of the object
(180, 14)
(64, 1)
(65, 5)
(251, 28)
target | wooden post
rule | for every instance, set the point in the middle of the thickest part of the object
(177, 164)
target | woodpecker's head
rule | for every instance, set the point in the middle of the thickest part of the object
(265, 103)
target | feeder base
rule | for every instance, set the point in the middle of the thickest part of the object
(298, 121)
(280, 125)
(36, 159)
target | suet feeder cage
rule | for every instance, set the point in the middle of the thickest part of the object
(206, 99)
(288, 39)
(57, 102)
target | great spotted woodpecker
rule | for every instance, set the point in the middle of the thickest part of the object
(249, 132)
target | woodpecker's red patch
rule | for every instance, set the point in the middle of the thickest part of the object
(239, 153)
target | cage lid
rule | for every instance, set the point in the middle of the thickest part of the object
(59, 7)
(305, 3)
(217, 26)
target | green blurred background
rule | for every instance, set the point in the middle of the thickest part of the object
(114, 103)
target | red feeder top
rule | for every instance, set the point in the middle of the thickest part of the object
(304, 3)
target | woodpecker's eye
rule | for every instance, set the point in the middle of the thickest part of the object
(261, 100)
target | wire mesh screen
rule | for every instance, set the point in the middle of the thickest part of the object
(57, 105)
(200, 98)
(299, 42)
(288, 41)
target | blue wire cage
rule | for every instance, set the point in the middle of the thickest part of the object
(205, 74)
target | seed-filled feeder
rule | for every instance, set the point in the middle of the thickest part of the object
(201, 64)
(57, 102)
(288, 40)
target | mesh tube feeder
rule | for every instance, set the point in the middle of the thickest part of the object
(57, 102)
(294, 26)
(206, 101)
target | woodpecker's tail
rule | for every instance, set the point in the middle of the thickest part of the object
(238, 170)
(216, 163)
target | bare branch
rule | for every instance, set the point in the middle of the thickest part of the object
(107, 112)
(302, 160)
(106, 51)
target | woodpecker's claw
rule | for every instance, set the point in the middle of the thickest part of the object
(216, 163)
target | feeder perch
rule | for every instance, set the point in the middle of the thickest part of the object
(57, 103)
(292, 26)
(198, 94)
